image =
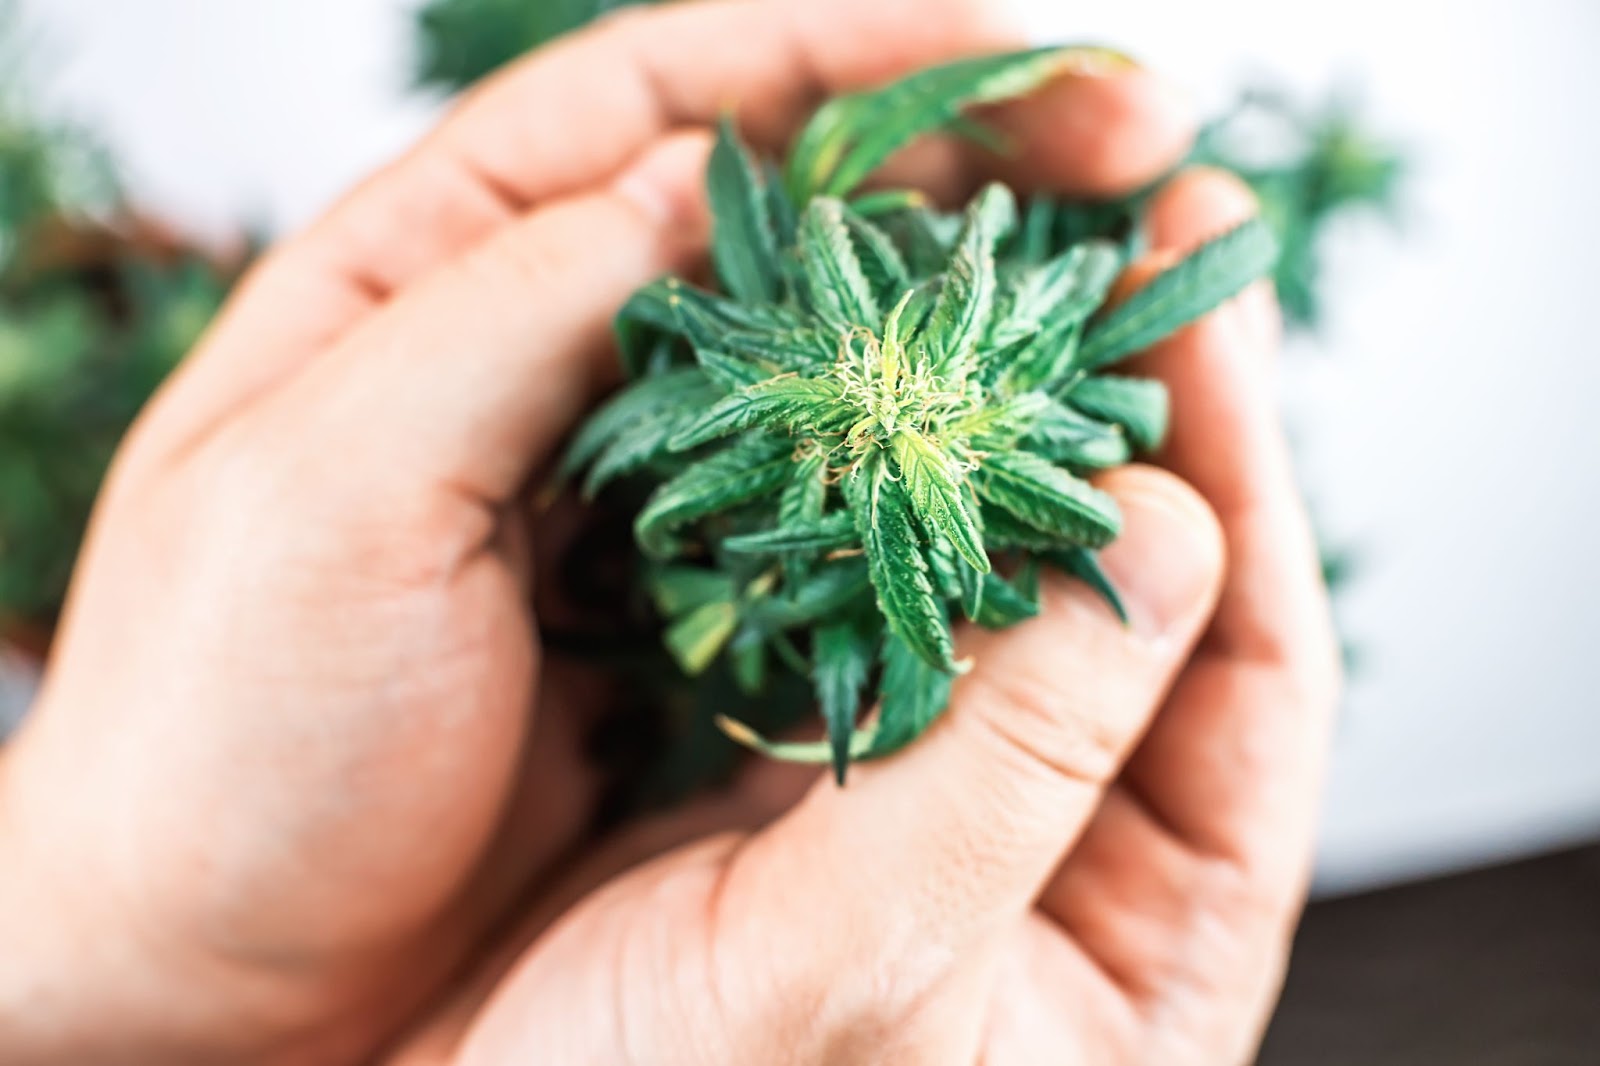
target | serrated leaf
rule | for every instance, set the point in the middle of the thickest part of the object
(973, 585)
(735, 476)
(881, 261)
(698, 637)
(912, 696)
(785, 216)
(646, 398)
(806, 493)
(782, 402)
(831, 533)
(1049, 498)
(835, 282)
(1216, 272)
(925, 237)
(945, 568)
(965, 306)
(1001, 422)
(938, 499)
(1063, 291)
(1057, 431)
(1139, 405)
(1099, 453)
(642, 442)
(1085, 565)
(1004, 604)
(744, 246)
(822, 594)
(1036, 232)
(896, 566)
(852, 135)
(731, 371)
(1004, 531)
(840, 658)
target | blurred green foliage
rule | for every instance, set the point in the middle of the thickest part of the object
(1311, 165)
(462, 40)
(94, 312)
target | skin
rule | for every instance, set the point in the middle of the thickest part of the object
(302, 787)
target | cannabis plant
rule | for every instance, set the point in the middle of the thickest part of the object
(886, 418)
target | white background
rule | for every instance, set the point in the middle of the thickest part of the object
(1450, 412)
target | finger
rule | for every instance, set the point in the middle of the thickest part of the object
(923, 856)
(567, 118)
(1096, 132)
(1235, 765)
(1095, 135)
(475, 374)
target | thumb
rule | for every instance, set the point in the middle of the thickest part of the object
(924, 855)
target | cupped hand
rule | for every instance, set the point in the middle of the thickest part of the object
(301, 787)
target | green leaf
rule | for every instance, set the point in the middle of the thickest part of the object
(642, 442)
(896, 566)
(1085, 565)
(841, 658)
(643, 399)
(938, 499)
(800, 752)
(744, 247)
(1058, 432)
(697, 638)
(1004, 531)
(881, 261)
(836, 531)
(731, 371)
(888, 201)
(1213, 274)
(1140, 406)
(1062, 292)
(1100, 453)
(806, 494)
(961, 316)
(738, 475)
(973, 586)
(926, 238)
(783, 402)
(912, 696)
(678, 590)
(1036, 234)
(837, 285)
(1004, 604)
(822, 594)
(852, 135)
(1049, 499)
(748, 657)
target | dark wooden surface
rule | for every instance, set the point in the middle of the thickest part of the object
(1495, 968)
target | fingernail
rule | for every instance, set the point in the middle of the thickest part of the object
(1167, 564)
(1098, 62)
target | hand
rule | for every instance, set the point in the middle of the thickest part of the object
(299, 759)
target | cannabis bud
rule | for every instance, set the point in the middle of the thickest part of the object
(887, 416)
